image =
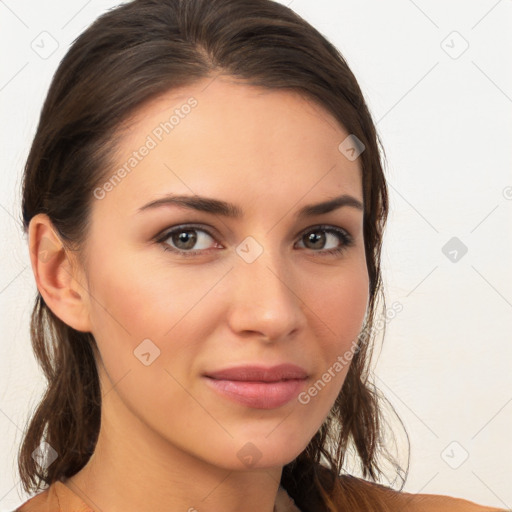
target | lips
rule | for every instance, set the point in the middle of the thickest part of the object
(258, 387)
(260, 374)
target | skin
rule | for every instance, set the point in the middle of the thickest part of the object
(166, 437)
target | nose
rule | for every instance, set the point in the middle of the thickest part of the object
(264, 299)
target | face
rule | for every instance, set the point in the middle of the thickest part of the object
(179, 293)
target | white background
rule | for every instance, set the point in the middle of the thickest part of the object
(445, 121)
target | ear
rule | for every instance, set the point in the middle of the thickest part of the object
(59, 278)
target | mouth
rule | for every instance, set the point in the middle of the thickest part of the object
(258, 387)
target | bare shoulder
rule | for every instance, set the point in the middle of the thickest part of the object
(442, 503)
(57, 497)
(41, 502)
(397, 501)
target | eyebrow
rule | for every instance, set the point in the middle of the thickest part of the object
(225, 209)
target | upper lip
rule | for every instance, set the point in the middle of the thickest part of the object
(260, 373)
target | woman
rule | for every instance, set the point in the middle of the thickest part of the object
(205, 204)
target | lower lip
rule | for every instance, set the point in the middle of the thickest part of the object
(258, 395)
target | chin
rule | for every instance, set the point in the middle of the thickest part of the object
(251, 452)
(272, 448)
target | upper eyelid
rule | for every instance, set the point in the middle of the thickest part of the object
(165, 233)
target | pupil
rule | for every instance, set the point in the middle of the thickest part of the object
(187, 236)
(314, 237)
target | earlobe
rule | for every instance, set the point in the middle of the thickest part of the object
(58, 281)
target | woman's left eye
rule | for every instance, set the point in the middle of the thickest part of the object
(184, 238)
(337, 234)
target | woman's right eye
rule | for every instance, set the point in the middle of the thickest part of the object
(183, 239)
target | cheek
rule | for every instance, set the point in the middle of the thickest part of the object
(339, 310)
(131, 302)
(145, 323)
(341, 304)
(140, 298)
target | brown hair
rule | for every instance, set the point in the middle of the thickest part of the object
(127, 57)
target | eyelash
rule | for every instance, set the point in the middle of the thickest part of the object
(343, 236)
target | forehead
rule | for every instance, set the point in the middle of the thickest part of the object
(222, 137)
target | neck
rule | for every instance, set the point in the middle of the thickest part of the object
(134, 469)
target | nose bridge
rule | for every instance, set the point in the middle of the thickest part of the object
(263, 298)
